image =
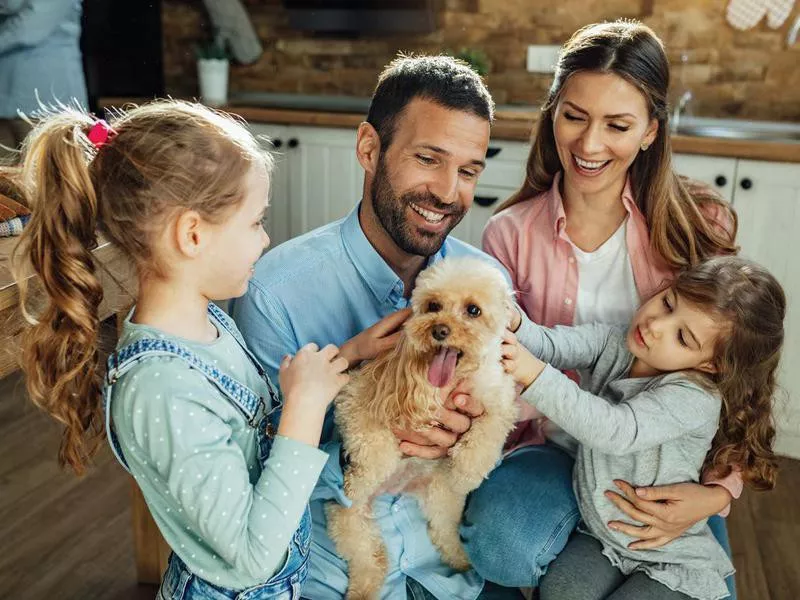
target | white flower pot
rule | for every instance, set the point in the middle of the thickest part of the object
(213, 76)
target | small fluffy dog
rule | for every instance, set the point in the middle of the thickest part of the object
(460, 308)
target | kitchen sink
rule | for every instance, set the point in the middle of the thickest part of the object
(737, 129)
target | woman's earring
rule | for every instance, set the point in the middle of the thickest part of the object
(645, 146)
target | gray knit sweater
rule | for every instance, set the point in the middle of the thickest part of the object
(647, 431)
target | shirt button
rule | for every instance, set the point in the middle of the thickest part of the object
(404, 563)
(568, 301)
(395, 508)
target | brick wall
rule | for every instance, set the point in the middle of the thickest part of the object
(748, 74)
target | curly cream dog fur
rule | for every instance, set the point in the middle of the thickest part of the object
(460, 309)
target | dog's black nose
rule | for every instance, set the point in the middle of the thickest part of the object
(440, 332)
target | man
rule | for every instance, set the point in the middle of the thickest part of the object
(422, 149)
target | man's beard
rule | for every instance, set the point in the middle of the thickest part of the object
(391, 212)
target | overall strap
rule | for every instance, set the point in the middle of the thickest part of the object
(123, 360)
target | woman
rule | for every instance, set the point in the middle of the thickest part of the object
(600, 223)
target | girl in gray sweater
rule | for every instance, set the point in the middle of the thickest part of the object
(694, 371)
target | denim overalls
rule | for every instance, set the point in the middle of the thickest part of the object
(178, 582)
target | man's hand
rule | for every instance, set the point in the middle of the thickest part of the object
(454, 419)
(382, 336)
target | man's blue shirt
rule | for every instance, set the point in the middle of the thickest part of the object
(325, 287)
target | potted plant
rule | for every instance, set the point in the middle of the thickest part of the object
(213, 62)
(475, 58)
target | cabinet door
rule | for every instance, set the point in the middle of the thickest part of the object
(504, 174)
(487, 199)
(716, 171)
(278, 224)
(325, 177)
(767, 200)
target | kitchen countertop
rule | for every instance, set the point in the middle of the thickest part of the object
(511, 123)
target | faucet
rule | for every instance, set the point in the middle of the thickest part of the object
(680, 108)
(791, 38)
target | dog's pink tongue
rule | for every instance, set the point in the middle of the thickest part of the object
(443, 367)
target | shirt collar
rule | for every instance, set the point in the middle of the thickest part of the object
(379, 277)
(556, 204)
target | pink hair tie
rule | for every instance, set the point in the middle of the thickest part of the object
(101, 133)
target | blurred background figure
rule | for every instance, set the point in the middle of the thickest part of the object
(40, 60)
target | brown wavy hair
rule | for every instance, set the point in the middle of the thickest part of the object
(752, 303)
(680, 232)
(165, 157)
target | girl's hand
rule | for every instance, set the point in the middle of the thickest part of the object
(383, 335)
(665, 511)
(312, 377)
(518, 362)
(516, 317)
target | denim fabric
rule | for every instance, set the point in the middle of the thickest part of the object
(179, 583)
(521, 517)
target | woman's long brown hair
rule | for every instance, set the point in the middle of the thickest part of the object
(680, 232)
(752, 304)
(165, 157)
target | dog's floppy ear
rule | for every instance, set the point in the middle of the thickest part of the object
(402, 394)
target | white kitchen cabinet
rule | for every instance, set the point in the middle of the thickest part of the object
(717, 171)
(277, 224)
(316, 178)
(767, 200)
(325, 178)
(504, 174)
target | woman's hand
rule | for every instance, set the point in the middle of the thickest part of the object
(518, 362)
(452, 420)
(665, 511)
(372, 341)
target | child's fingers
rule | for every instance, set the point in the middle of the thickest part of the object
(310, 347)
(340, 364)
(287, 360)
(509, 365)
(508, 350)
(329, 352)
(509, 337)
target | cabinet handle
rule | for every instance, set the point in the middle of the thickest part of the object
(485, 200)
(492, 151)
(293, 143)
(746, 183)
(277, 143)
(721, 181)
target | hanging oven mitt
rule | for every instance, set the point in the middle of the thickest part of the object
(745, 14)
(778, 11)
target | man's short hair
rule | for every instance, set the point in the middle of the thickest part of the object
(444, 80)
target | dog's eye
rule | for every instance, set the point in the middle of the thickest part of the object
(473, 310)
(434, 307)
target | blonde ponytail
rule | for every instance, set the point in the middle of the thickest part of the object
(60, 353)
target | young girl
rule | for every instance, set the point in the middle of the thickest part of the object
(699, 356)
(182, 190)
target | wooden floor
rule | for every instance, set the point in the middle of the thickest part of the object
(67, 538)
